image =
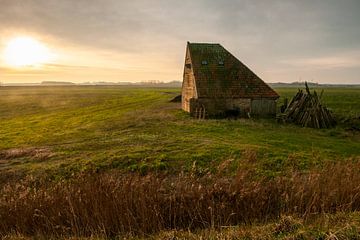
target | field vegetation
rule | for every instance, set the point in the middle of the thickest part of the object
(112, 204)
(62, 130)
(91, 161)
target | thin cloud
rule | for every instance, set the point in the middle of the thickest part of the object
(330, 62)
(149, 37)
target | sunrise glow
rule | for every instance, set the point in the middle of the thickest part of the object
(26, 52)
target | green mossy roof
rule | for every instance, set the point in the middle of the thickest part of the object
(232, 79)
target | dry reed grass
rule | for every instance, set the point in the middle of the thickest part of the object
(112, 204)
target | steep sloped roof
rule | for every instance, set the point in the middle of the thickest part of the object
(219, 74)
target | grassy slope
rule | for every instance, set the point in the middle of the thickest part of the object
(138, 129)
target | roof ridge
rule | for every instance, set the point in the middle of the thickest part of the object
(203, 43)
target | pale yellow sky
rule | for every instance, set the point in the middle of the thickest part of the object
(140, 40)
(76, 63)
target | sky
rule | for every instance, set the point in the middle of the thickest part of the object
(141, 40)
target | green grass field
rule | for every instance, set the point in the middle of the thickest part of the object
(258, 178)
(62, 130)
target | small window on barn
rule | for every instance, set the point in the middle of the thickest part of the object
(204, 62)
(188, 65)
(221, 63)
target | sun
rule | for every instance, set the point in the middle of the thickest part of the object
(26, 52)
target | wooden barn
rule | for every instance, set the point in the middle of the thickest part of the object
(216, 84)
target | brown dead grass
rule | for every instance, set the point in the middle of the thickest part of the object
(113, 204)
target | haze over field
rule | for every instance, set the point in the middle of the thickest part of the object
(110, 40)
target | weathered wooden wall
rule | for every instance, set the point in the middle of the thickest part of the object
(216, 107)
(263, 107)
(219, 106)
(188, 86)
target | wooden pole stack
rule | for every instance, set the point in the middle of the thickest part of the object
(305, 109)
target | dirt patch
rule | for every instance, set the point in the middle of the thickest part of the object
(35, 153)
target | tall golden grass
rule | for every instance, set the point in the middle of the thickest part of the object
(111, 204)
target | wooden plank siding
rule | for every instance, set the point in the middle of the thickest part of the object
(263, 107)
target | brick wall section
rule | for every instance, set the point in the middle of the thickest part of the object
(215, 79)
(188, 86)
